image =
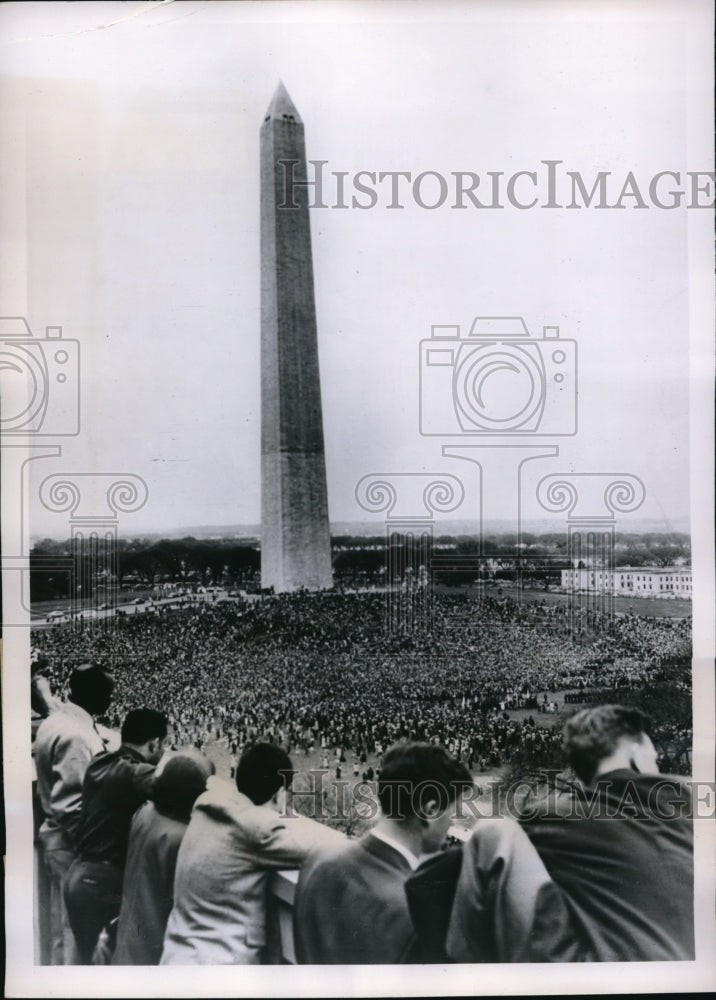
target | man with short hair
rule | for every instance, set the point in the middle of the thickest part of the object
(67, 740)
(621, 846)
(351, 907)
(395, 897)
(235, 838)
(115, 785)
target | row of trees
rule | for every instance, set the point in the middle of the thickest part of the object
(188, 561)
(357, 560)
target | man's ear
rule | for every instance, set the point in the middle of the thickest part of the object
(634, 748)
(431, 809)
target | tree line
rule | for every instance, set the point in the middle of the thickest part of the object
(236, 562)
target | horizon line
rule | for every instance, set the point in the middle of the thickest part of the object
(454, 527)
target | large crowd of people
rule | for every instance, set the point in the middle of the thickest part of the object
(315, 673)
(152, 858)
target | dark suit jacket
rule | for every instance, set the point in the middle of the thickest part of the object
(351, 907)
(622, 851)
(115, 786)
(431, 893)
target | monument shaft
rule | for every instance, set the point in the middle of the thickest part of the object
(295, 533)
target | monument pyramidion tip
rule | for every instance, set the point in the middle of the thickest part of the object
(281, 106)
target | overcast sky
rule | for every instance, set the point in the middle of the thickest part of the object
(138, 194)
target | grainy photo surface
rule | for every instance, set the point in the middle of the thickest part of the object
(357, 497)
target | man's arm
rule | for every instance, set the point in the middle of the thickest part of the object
(288, 841)
(71, 756)
(507, 909)
(143, 779)
(42, 700)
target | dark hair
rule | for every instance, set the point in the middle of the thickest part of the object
(180, 784)
(144, 724)
(91, 688)
(262, 770)
(414, 774)
(593, 734)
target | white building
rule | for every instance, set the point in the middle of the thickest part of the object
(637, 581)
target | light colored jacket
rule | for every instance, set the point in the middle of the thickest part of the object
(66, 742)
(223, 867)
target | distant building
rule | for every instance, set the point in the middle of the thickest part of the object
(637, 581)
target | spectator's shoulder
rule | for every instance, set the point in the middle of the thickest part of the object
(64, 730)
(329, 856)
(260, 822)
(667, 795)
(58, 717)
(141, 770)
(499, 833)
(324, 842)
(552, 805)
(222, 803)
(110, 737)
(101, 761)
(677, 782)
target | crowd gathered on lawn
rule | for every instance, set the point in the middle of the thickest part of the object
(322, 674)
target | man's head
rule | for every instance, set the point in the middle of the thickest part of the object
(264, 769)
(180, 784)
(418, 784)
(145, 730)
(91, 688)
(606, 738)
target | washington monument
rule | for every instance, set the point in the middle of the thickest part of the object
(295, 534)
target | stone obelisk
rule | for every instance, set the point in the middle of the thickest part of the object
(295, 534)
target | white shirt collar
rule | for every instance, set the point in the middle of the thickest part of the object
(407, 854)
